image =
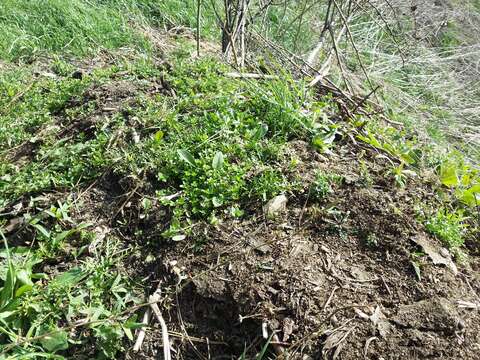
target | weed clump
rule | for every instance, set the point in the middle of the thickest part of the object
(322, 185)
(448, 227)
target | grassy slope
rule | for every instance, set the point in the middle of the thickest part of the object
(204, 144)
(43, 28)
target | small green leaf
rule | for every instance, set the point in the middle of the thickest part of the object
(55, 341)
(158, 136)
(218, 160)
(186, 156)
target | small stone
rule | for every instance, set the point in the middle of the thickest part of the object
(276, 206)
(260, 245)
(444, 252)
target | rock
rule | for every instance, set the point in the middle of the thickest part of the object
(436, 314)
(275, 206)
(260, 245)
(210, 288)
(444, 252)
(14, 224)
(359, 273)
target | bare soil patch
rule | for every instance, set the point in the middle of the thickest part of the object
(331, 279)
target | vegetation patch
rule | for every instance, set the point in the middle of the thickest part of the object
(130, 168)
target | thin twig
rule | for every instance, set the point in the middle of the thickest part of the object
(154, 299)
(141, 332)
(251, 76)
(199, 4)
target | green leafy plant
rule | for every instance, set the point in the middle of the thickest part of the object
(268, 184)
(392, 141)
(322, 185)
(401, 175)
(448, 227)
(16, 278)
(324, 137)
(465, 180)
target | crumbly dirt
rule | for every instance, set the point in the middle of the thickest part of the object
(338, 278)
(331, 279)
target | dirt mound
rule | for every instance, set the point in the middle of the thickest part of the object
(347, 273)
(335, 278)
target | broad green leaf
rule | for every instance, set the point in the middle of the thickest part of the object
(63, 235)
(23, 289)
(83, 226)
(260, 132)
(7, 292)
(475, 189)
(24, 277)
(38, 276)
(69, 278)
(133, 325)
(406, 157)
(448, 175)
(218, 160)
(470, 197)
(6, 314)
(42, 230)
(370, 140)
(55, 341)
(186, 156)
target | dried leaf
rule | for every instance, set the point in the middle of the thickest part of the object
(434, 252)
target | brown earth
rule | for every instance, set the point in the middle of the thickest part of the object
(339, 278)
(330, 279)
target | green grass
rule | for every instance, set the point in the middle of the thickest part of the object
(34, 28)
(31, 29)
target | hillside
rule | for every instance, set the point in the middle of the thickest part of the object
(305, 186)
